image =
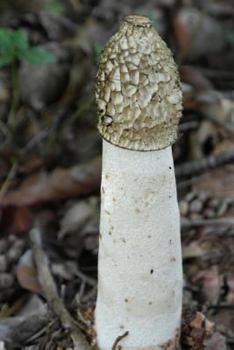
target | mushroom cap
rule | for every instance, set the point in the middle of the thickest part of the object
(138, 92)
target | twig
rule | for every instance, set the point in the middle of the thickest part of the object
(221, 306)
(202, 165)
(207, 222)
(80, 293)
(9, 177)
(49, 288)
(89, 280)
(188, 182)
(187, 126)
(91, 295)
(6, 132)
(35, 140)
(118, 339)
(19, 329)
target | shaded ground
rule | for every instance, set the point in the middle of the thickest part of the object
(50, 167)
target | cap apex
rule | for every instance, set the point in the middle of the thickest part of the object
(139, 21)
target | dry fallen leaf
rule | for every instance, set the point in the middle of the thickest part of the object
(219, 182)
(57, 185)
(79, 215)
(15, 220)
(215, 342)
(26, 273)
(224, 320)
(217, 108)
(194, 77)
(197, 34)
(211, 283)
(196, 329)
(230, 285)
(195, 249)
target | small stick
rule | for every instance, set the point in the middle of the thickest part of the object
(9, 177)
(49, 288)
(89, 280)
(118, 339)
(202, 165)
(221, 306)
(207, 222)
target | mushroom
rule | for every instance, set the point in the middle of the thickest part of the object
(140, 267)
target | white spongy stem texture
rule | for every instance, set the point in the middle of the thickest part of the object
(139, 266)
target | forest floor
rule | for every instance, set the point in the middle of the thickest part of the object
(50, 166)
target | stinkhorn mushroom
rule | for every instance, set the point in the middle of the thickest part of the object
(140, 268)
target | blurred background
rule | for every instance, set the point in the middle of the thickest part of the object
(50, 162)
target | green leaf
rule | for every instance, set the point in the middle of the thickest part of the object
(6, 40)
(6, 59)
(230, 38)
(12, 43)
(55, 7)
(7, 53)
(38, 56)
(20, 40)
(98, 49)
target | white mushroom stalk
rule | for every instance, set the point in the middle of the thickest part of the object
(140, 267)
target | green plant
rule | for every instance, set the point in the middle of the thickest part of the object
(55, 7)
(98, 49)
(230, 38)
(14, 47)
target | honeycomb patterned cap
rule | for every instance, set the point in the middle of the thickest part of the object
(138, 92)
